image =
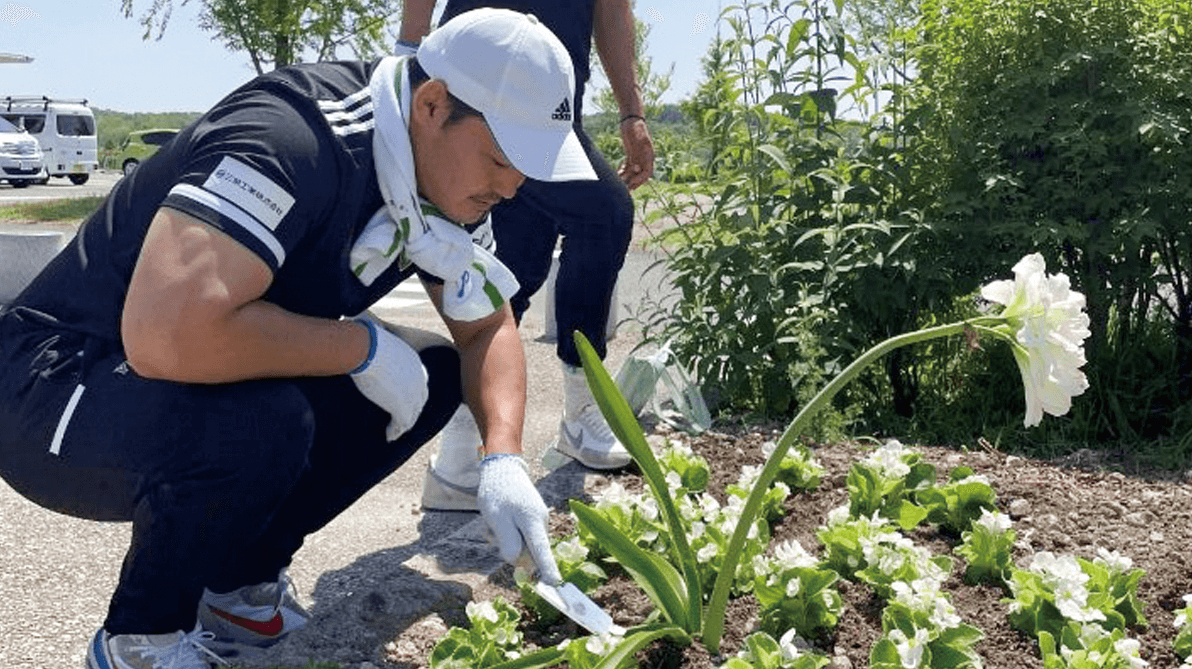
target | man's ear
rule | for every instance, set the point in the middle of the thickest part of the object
(431, 105)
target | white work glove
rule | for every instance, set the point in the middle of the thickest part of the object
(516, 514)
(393, 378)
(438, 246)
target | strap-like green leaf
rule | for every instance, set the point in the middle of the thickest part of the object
(625, 426)
(637, 641)
(662, 582)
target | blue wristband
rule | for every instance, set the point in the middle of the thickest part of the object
(372, 346)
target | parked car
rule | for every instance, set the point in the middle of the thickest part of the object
(140, 145)
(20, 156)
(65, 129)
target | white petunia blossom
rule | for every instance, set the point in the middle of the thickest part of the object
(1050, 327)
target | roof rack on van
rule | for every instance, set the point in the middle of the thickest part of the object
(40, 99)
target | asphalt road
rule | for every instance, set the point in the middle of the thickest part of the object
(98, 184)
(56, 572)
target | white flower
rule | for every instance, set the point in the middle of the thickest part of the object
(793, 586)
(673, 481)
(994, 521)
(648, 507)
(910, 651)
(768, 448)
(482, 610)
(888, 459)
(1113, 560)
(749, 475)
(838, 515)
(792, 646)
(1181, 616)
(613, 495)
(1073, 604)
(1128, 649)
(571, 550)
(709, 506)
(791, 554)
(974, 478)
(1051, 327)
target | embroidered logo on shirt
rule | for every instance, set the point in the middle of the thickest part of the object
(250, 190)
(563, 111)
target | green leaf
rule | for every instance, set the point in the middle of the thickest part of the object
(539, 659)
(636, 641)
(661, 582)
(910, 515)
(625, 426)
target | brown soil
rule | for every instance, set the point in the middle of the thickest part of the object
(1073, 506)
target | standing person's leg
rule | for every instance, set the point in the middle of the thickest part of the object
(596, 221)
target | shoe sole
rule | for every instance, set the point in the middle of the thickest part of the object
(577, 455)
(441, 495)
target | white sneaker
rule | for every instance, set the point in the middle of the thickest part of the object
(152, 651)
(256, 615)
(453, 477)
(583, 433)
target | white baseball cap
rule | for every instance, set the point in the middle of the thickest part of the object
(514, 71)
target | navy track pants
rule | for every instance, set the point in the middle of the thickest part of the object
(221, 482)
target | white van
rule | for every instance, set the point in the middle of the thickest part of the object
(20, 156)
(64, 128)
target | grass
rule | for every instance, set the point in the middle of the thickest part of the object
(65, 210)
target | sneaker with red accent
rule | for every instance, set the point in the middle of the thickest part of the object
(255, 615)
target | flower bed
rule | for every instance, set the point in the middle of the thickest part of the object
(1074, 506)
(691, 550)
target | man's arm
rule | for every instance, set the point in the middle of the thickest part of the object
(615, 34)
(494, 374)
(194, 313)
(415, 20)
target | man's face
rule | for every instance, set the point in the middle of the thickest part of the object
(458, 166)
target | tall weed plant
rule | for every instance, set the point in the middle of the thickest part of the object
(799, 254)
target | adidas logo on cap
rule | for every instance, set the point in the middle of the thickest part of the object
(562, 112)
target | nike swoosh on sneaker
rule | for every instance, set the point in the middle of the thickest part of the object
(577, 439)
(268, 628)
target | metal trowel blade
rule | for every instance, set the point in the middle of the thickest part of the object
(574, 604)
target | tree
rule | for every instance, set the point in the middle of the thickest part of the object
(653, 85)
(276, 33)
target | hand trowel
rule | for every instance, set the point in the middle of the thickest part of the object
(574, 604)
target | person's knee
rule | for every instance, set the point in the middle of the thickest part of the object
(266, 433)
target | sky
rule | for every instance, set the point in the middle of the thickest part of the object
(87, 49)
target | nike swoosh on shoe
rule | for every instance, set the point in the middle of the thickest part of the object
(267, 628)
